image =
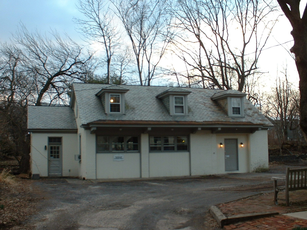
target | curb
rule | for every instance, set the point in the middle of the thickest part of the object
(222, 220)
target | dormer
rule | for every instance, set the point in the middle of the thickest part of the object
(231, 101)
(175, 100)
(113, 99)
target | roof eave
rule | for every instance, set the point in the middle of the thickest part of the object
(225, 95)
(52, 130)
(167, 93)
(173, 125)
(106, 90)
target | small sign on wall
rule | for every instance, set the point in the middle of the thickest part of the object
(118, 157)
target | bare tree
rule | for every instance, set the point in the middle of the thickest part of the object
(13, 141)
(123, 65)
(98, 26)
(148, 27)
(15, 83)
(53, 63)
(222, 39)
(16, 91)
(291, 9)
(283, 107)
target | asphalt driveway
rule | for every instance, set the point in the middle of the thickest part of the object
(139, 205)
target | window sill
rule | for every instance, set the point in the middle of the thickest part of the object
(183, 151)
(117, 152)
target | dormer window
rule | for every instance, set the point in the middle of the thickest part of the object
(175, 100)
(231, 101)
(115, 100)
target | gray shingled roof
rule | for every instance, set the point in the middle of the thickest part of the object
(51, 118)
(142, 105)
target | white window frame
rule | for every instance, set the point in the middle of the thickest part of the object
(173, 105)
(120, 102)
(230, 107)
(179, 105)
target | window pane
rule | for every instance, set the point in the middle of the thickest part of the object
(236, 102)
(114, 103)
(132, 143)
(55, 140)
(182, 143)
(114, 98)
(168, 143)
(114, 107)
(118, 143)
(178, 100)
(236, 110)
(179, 104)
(102, 144)
(54, 152)
(155, 143)
(179, 109)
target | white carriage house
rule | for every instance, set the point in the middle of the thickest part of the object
(126, 131)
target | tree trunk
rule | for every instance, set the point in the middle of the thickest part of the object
(299, 34)
(302, 68)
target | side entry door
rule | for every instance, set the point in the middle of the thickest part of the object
(231, 155)
(55, 156)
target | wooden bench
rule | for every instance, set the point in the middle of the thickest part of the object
(296, 179)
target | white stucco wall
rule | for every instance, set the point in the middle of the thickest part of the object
(208, 158)
(88, 155)
(205, 156)
(167, 164)
(39, 156)
(144, 155)
(203, 153)
(110, 168)
(258, 150)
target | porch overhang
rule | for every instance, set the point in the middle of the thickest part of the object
(150, 126)
(52, 130)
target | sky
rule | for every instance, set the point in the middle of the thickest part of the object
(46, 15)
(40, 15)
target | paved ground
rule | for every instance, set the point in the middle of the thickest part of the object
(144, 205)
(161, 204)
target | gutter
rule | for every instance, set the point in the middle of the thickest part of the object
(53, 130)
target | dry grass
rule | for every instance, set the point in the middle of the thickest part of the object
(7, 177)
(17, 201)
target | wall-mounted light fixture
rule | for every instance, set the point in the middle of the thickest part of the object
(45, 147)
(241, 145)
(221, 145)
